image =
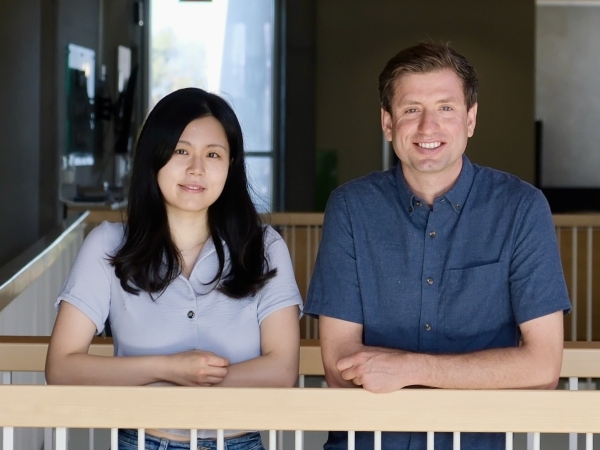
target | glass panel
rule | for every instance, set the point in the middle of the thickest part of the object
(260, 176)
(226, 47)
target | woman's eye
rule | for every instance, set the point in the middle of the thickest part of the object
(180, 151)
(213, 155)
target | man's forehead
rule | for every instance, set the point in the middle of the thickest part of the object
(444, 84)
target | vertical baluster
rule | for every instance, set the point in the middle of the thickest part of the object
(574, 284)
(351, 440)
(536, 441)
(301, 381)
(573, 386)
(293, 246)
(590, 250)
(318, 233)
(220, 440)
(193, 438)
(308, 321)
(8, 438)
(114, 438)
(299, 440)
(529, 441)
(91, 439)
(589, 441)
(272, 440)
(61, 438)
(48, 438)
(141, 439)
(509, 440)
(430, 440)
(456, 440)
(377, 440)
(6, 377)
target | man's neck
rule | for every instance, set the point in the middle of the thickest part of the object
(428, 187)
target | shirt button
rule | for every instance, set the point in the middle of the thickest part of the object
(457, 206)
(429, 280)
(419, 204)
(191, 314)
(427, 327)
(432, 234)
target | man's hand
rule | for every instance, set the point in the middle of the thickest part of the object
(378, 370)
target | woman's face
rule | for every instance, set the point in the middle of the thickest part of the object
(195, 175)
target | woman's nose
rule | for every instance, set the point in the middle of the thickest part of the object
(196, 166)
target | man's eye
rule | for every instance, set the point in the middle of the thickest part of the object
(446, 108)
(411, 110)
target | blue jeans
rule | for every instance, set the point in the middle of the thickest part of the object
(248, 441)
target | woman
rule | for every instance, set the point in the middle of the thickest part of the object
(197, 291)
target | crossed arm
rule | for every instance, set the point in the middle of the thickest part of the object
(535, 364)
(68, 361)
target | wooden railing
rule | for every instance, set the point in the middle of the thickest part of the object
(351, 410)
(285, 409)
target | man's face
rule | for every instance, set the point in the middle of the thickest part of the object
(429, 125)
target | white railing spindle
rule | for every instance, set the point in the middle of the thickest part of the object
(536, 441)
(272, 439)
(6, 377)
(456, 440)
(430, 440)
(8, 438)
(351, 440)
(299, 440)
(61, 438)
(114, 438)
(220, 440)
(509, 441)
(589, 441)
(377, 440)
(193, 438)
(573, 386)
(141, 439)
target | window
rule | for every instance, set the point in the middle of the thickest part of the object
(225, 47)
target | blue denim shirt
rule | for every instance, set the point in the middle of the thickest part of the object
(456, 277)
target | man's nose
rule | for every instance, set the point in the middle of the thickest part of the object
(428, 122)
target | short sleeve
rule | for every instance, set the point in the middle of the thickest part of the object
(536, 277)
(334, 289)
(88, 286)
(282, 290)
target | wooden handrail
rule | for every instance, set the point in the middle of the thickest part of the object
(299, 409)
(19, 273)
(576, 220)
(28, 354)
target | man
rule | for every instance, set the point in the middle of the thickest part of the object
(429, 274)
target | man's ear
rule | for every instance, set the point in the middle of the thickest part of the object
(471, 120)
(386, 124)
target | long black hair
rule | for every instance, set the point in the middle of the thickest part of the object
(148, 260)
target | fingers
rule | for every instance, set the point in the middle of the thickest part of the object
(210, 359)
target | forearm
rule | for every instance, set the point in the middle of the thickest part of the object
(84, 369)
(489, 369)
(270, 370)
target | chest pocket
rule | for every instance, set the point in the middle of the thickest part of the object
(476, 301)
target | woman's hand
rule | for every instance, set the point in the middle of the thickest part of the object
(196, 368)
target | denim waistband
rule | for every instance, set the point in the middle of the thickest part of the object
(130, 436)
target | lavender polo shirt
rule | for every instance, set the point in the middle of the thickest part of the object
(189, 315)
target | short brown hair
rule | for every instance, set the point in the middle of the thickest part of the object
(427, 57)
